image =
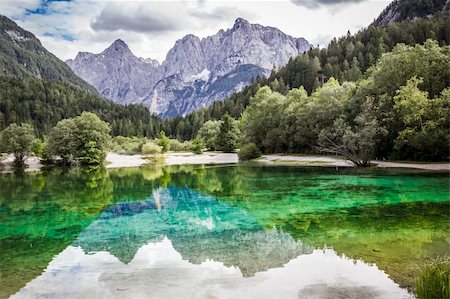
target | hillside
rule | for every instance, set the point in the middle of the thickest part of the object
(43, 103)
(402, 10)
(22, 55)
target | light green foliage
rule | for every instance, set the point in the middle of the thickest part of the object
(80, 139)
(433, 280)
(261, 120)
(428, 61)
(38, 147)
(177, 146)
(18, 140)
(209, 132)
(248, 151)
(229, 134)
(151, 148)
(127, 145)
(425, 121)
(197, 146)
(163, 142)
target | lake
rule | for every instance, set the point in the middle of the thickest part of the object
(228, 231)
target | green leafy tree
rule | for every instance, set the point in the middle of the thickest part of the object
(209, 132)
(262, 118)
(229, 134)
(80, 139)
(355, 143)
(425, 121)
(18, 140)
(164, 142)
(197, 145)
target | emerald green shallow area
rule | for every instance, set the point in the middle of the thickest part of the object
(251, 217)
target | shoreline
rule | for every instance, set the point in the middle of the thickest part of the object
(114, 160)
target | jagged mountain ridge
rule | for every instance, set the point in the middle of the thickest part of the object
(195, 73)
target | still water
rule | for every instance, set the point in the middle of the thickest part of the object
(233, 231)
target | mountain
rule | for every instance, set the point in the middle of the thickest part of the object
(117, 73)
(195, 73)
(22, 55)
(401, 10)
(38, 88)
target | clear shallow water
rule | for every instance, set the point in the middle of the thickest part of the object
(196, 231)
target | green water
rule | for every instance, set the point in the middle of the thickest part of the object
(253, 219)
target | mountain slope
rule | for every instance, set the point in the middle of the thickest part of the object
(39, 89)
(401, 10)
(196, 71)
(22, 55)
(43, 103)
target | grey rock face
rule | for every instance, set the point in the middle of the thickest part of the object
(195, 73)
(116, 73)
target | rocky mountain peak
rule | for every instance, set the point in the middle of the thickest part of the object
(241, 23)
(118, 46)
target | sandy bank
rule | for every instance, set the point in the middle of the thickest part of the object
(118, 161)
(205, 158)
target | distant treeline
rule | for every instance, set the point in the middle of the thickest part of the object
(43, 103)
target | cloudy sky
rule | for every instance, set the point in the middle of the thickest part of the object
(150, 28)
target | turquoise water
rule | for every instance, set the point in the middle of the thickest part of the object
(224, 231)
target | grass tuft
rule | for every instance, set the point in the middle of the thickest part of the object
(433, 280)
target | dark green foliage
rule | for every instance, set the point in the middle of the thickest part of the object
(23, 56)
(249, 151)
(44, 103)
(228, 138)
(357, 144)
(82, 139)
(197, 146)
(433, 281)
(18, 140)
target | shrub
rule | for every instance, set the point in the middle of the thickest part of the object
(433, 280)
(163, 142)
(249, 151)
(127, 145)
(197, 146)
(178, 146)
(151, 148)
